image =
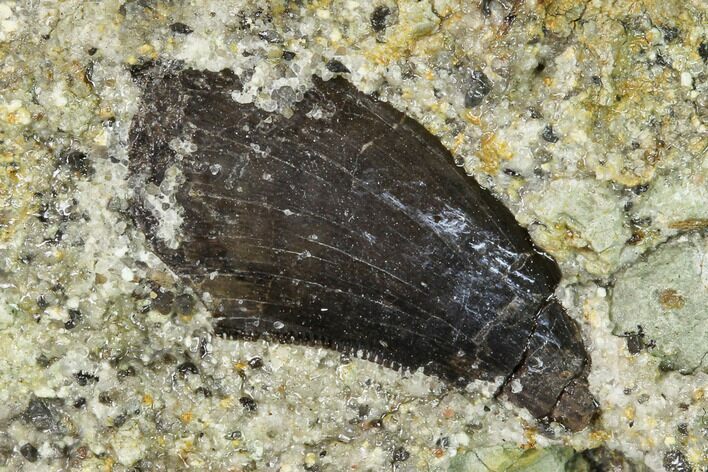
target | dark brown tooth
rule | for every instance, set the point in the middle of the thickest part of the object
(347, 224)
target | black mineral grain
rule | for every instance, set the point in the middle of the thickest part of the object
(333, 65)
(83, 378)
(379, 18)
(44, 414)
(703, 51)
(180, 28)
(187, 367)
(400, 455)
(549, 135)
(478, 88)
(248, 403)
(78, 162)
(74, 319)
(675, 461)
(29, 452)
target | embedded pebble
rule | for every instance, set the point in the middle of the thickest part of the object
(665, 295)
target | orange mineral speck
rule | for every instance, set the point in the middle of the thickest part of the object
(670, 299)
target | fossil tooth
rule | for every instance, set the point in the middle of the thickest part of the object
(347, 224)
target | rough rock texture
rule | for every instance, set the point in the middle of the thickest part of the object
(553, 459)
(607, 98)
